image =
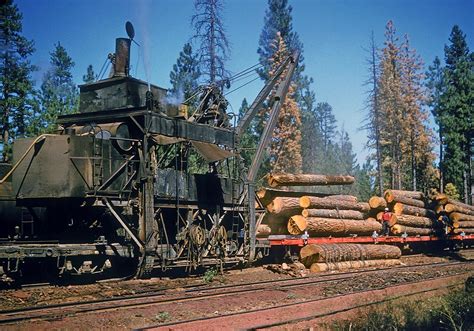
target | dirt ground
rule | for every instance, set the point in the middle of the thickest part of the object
(164, 313)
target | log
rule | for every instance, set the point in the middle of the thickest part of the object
(310, 254)
(297, 224)
(379, 215)
(458, 217)
(409, 194)
(449, 208)
(401, 209)
(439, 209)
(309, 202)
(362, 207)
(263, 230)
(400, 229)
(282, 179)
(412, 221)
(333, 227)
(463, 224)
(391, 197)
(333, 213)
(465, 230)
(285, 206)
(444, 200)
(377, 203)
(266, 195)
(319, 267)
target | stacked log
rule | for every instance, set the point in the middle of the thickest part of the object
(461, 215)
(410, 212)
(345, 256)
(336, 215)
(283, 179)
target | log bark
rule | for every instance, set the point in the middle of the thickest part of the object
(266, 195)
(444, 200)
(333, 227)
(463, 224)
(333, 213)
(263, 230)
(320, 267)
(458, 217)
(377, 203)
(449, 208)
(409, 194)
(412, 221)
(439, 209)
(400, 229)
(401, 209)
(465, 230)
(285, 206)
(282, 179)
(310, 254)
(391, 197)
(309, 202)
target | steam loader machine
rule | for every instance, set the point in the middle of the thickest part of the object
(113, 189)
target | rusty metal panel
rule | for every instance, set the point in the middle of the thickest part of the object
(60, 166)
(117, 93)
(179, 128)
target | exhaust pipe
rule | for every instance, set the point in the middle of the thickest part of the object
(122, 57)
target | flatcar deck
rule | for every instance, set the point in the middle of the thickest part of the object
(288, 240)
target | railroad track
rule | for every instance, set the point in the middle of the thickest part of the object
(191, 293)
(319, 308)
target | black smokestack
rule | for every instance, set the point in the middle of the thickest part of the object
(122, 57)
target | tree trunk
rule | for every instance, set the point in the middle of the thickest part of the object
(465, 230)
(458, 217)
(464, 224)
(329, 203)
(393, 198)
(282, 179)
(444, 200)
(377, 203)
(266, 195)
(285, 206)
(333, 213)
(401, 209)
(332, 227)
(319, 267)
(458, 208)
(310, 254)
(439, 209)
(263, 230)
(412, 221)
(400, 229)
(408, 194)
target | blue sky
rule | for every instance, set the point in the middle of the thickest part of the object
(334, 34)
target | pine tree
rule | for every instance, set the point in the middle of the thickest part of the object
(248, 140)
(58, 92)
(184, 76)
(213, 47)
(456, 106)
(311, 136)
(327, 124)
(90, 76)
(374, 119)
(17, 96)
(435, 87)
(418, 136)
(391, 111)
(285, 148)
(278, 18)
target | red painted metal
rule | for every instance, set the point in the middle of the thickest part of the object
(292, 241)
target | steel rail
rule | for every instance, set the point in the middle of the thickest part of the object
(156, 297)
